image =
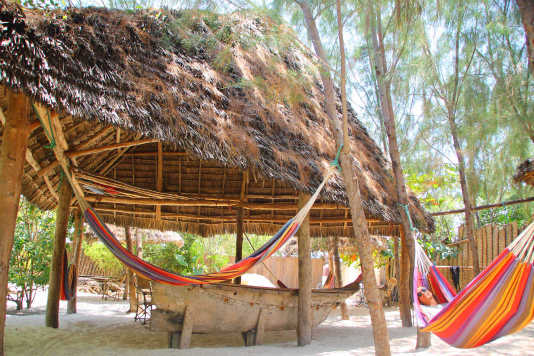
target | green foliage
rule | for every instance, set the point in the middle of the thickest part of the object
(102, 257)
(188, 259)
(29, 266)
(436, 249)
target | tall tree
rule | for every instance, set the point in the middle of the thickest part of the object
(526, 9)
(448, 93)
(384, 75)
(359, 222)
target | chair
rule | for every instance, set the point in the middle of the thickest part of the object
(143, 291)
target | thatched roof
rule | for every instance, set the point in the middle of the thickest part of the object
(525, 172)
(225, 94)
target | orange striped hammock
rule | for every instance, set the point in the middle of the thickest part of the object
(154, 273)
(497, 302)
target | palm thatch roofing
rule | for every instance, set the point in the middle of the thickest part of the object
(234, 101)
(525, 172)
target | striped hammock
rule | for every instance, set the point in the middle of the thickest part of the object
(154, 273)
(497, 302)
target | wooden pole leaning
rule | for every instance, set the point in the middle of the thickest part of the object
(77, 252)
(54, 284)
(304, 324)
(12, 158)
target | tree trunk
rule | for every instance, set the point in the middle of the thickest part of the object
(359, 222)
(239, 240)
(77, 252)
(404, 293)
(339, 282)
(469, 224)
(138, 244)
(130, 276)
(54, 285)
(304, 325)
(12, 159)
(388, 115)
(526, 9)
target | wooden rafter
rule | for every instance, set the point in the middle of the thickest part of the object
(52, 125)
(84, 152)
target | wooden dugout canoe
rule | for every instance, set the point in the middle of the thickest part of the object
(223, 308)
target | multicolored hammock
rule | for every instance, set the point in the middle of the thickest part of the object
(152, 272)
(497, 302)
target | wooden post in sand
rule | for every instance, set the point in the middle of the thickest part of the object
(239, 223)
(339, 282)
(77, 252)
(304, 325)
(62, 219)
(12, 158)
(423, 340)
(130, 276)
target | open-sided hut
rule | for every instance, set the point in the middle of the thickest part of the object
(185, 121)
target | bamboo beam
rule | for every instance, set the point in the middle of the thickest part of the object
(483, 207)
(54, 284)
(78, 153)
(156, 202)
(154, 154)
(12, 157)
(90, 151)
(304, 323)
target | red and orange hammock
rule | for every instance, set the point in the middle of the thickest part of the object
(154, 273)
(497, 302)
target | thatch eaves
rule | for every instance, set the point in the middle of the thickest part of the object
(236, 91)
(525, 172)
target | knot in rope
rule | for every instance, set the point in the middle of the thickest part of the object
(335, 162)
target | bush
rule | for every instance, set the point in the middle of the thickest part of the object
(103, 258)
(29, 266)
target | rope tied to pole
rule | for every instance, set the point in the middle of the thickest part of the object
(335, 162)
(407, 212)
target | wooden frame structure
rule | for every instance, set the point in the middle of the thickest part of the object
(167, 144)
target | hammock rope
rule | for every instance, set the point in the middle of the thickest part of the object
(497, 302)
(152, 272)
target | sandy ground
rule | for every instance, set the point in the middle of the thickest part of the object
(103, 328)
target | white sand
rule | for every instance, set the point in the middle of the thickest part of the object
(103, 328)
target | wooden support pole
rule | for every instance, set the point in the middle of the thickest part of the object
(130, 276)
(404, 283)
(339, 282)
(77, 252)
(423, 340)
(239, 240)
(239, 223)
(304, 325)
(62, 218)
(159, 178)
(12, 158)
